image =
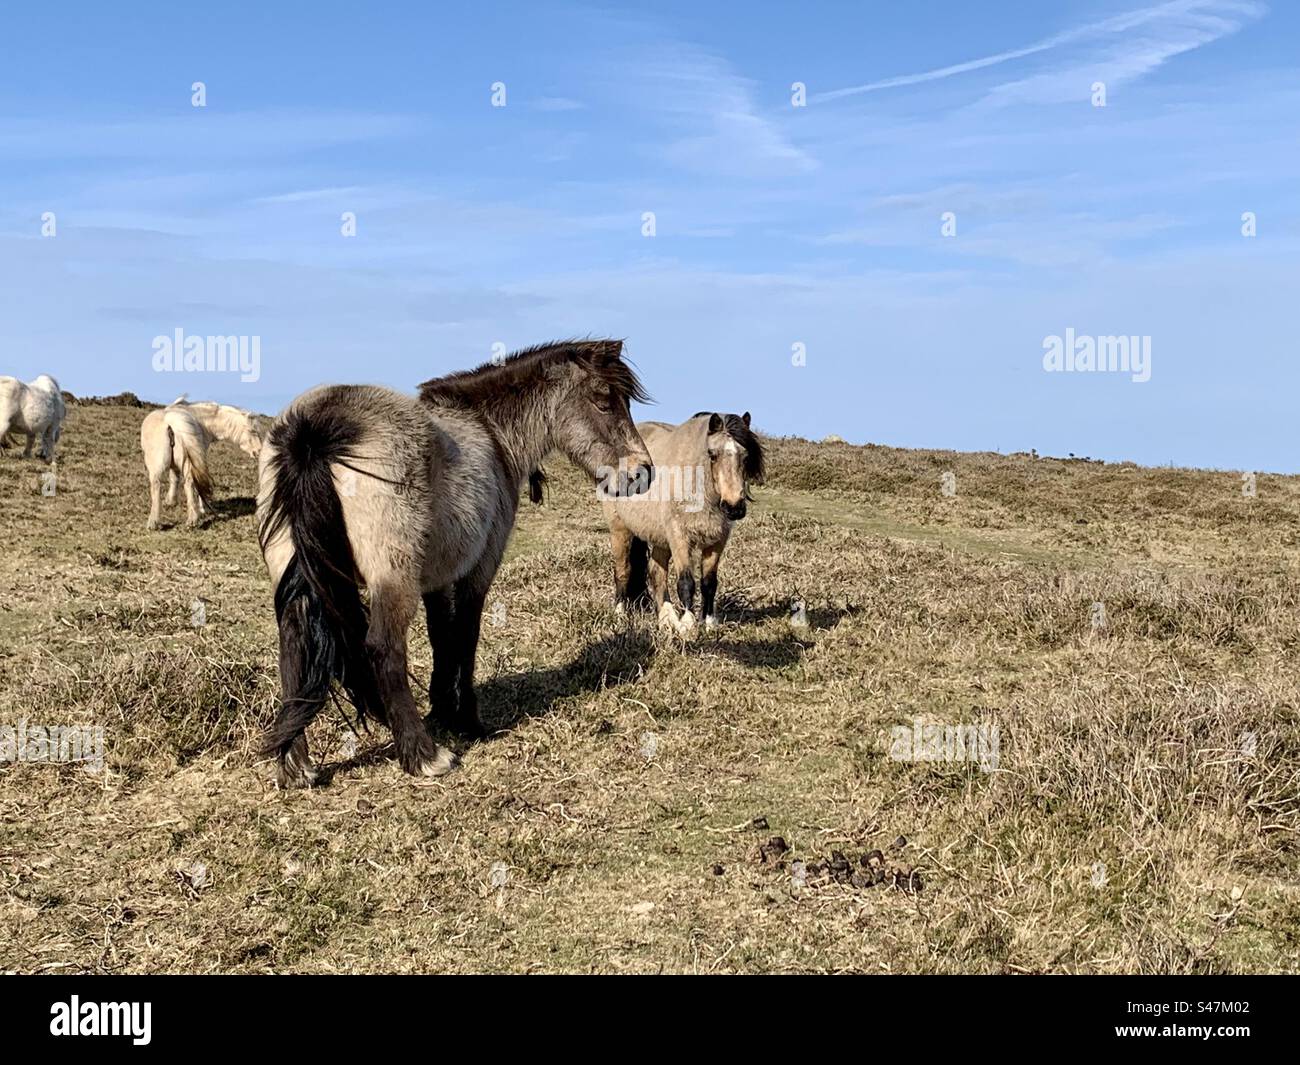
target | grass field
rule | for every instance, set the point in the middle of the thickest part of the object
(1141, 816)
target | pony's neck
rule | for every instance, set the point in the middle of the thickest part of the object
(524, 424)
(223, 423)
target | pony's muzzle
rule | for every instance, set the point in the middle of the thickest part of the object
(638, 479)
(735, 511)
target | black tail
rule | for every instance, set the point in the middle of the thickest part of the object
(322, 617)
(638, 562)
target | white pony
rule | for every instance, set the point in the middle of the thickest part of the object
(36, 409)
(175, 442)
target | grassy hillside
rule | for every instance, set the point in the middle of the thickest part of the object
(1142, 815)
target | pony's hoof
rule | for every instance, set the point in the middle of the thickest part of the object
(620, 609)
(668, 617)
(290, 774)
(711, 622)
(152, 525)
(686, 625)
(443, 762)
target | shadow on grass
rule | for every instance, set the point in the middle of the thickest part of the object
(617, 659)
(230, 509)
(738, 609)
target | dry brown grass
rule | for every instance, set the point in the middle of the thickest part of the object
(1131, 824)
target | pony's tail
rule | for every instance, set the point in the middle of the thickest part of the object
(318, 605)
(194, 455)
(638, 561)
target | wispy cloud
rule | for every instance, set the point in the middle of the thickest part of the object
(710, 114)
(1115, 50)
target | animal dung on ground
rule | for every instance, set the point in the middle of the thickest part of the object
(868, 870)
(771, 852)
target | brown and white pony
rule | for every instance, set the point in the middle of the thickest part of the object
(702, 472)
(413, 499)
(175, 441)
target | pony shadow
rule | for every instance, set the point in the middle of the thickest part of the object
(505, 701)
(736, 609)
(230, 509)
(755, 653)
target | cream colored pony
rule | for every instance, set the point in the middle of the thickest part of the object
(702, 472)
(175, 442)
(36, 410)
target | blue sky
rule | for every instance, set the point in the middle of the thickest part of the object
(775, 225)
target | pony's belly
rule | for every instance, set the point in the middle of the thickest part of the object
(460, 542)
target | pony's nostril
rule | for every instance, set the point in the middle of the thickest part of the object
(638, 479)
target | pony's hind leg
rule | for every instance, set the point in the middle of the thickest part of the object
(172, 484)
(193, 504)
(155, 503)
(391, 611)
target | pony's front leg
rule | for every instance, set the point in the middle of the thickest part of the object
(27, 451)
(391, 611)
(443, 683)
(657, 581)
(47, 445)
(712, 556)
(683, 562)
(468, 626)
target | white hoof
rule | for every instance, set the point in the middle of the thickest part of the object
(687, 623)
(668, 617)
(444, 761)
(711, 622)
(620, 609)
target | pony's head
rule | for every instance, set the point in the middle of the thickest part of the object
(231, 423)
(735, 461)
(246, 433)
(593, 425)
(571, 395)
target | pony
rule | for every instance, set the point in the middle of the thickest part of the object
(412, 499)
(35, 409)
(175, 441)
(703, 470)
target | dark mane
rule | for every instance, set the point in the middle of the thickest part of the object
(519, 369)
(735, 427)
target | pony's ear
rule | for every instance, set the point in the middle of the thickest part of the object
(745, 418)
(715, 423)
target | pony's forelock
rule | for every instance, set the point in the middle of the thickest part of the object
(734, 426)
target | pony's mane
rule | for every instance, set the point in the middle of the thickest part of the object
(519, 369)
(734, 426)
